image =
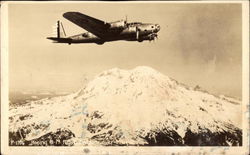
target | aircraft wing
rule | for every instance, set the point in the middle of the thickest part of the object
(93, 25)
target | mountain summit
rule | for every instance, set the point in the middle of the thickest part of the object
(129, 107)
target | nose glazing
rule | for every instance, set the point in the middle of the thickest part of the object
(157, 27)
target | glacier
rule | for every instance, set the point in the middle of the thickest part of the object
(138, 107)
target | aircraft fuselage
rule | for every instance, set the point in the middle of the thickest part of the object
(128, 34)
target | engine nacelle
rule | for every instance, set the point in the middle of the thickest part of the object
(149, 37)
(118, 24)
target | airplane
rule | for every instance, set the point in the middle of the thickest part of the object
(100, 32)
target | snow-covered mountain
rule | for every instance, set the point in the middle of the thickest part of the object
(134, 107)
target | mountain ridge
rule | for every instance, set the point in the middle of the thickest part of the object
(130, 107)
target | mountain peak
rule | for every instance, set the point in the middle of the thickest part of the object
(138, 70)
(145, 69)
(140, 106)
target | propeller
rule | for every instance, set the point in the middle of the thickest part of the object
(153, 37)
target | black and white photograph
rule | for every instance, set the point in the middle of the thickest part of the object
(124, 75)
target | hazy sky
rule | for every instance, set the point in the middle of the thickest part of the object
(199, 44)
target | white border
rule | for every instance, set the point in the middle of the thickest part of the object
(124, 150)
(4, 75)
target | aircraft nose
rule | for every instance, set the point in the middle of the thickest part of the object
(157, 27)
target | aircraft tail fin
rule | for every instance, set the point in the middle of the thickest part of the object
(58, 30)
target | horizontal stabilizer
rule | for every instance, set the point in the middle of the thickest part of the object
(60, 40)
